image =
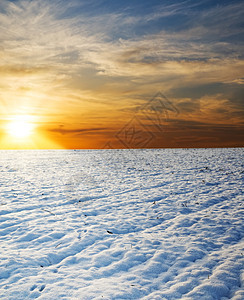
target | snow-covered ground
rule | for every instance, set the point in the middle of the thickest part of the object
(122, 224)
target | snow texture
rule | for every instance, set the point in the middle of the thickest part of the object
(122, 224)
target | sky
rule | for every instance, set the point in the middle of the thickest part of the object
(121, 74)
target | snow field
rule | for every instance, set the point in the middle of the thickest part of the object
(122, 224)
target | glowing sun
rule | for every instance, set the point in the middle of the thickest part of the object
(23, 132)
(20, 127)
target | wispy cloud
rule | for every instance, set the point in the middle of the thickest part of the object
(76, 131)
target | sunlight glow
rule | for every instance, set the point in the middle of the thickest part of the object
(23, 132)
(20, 127)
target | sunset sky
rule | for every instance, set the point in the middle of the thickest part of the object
(121, 74)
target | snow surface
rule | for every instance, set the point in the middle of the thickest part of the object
(122, 224)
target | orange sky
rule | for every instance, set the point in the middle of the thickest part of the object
(121, 76)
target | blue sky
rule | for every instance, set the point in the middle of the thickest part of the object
(96, 62)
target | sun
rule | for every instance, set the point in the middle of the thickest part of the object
(20, 127)
(23, 132)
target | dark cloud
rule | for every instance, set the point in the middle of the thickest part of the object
(232, 92)
(182, 124)
(76, 131)
(188, 106)
(237, 95)
(199, 90)
(181, 133)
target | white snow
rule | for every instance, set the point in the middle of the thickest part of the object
(122, 224)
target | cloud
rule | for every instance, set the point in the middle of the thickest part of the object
(237, 81)
(34, 31)
(85, 58)
(76, 131)
(22, 70)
